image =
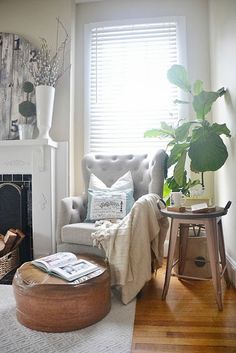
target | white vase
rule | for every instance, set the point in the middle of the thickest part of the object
(44, 106)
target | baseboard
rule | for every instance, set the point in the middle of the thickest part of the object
(231, 265)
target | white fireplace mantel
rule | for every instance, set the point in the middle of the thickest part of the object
(38, 158)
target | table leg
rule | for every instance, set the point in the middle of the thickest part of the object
(222, 253)
(172, 242)
(183, 243)
(213, 248)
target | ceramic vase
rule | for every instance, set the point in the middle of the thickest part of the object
(25, 131)
(44, 105)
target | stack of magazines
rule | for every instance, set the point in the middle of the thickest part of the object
(67, 266)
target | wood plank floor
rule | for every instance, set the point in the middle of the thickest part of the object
(188, 321)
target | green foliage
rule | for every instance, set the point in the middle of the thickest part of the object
(195, 139)
(208, 152)
(202, 103)
(28, 87)
(26, 108)
(178, 76)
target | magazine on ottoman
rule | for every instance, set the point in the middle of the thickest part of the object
(67, 266)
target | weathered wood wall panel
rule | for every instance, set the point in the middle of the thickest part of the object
(14, 51)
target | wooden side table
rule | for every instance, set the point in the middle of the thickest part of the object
(180, 223)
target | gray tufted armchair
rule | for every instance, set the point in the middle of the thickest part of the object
(148, 175)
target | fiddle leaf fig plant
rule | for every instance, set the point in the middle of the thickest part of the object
(196, 139)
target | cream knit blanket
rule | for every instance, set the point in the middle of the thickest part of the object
(130, 243)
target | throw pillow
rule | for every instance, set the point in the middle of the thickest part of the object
(123, 183)
(108, 204)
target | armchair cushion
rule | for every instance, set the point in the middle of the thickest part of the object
(78, 233)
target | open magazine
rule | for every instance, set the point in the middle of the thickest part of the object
(67, 266)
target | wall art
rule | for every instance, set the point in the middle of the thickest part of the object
(14, 52)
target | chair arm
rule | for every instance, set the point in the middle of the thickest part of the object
(158, 172)
(72, 210)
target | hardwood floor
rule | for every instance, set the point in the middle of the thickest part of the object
(188, 321)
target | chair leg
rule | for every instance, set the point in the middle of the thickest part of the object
(222, 253)
(212, 243)
(170, 257)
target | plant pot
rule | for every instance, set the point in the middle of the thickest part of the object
(25, 131)
(44, 106)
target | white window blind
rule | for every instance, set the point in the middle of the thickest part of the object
(128, 91)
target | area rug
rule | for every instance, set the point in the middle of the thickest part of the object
(113, 334)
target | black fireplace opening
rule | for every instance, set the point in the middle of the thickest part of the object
(16, 209)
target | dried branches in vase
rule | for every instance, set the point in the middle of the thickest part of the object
(45, 68)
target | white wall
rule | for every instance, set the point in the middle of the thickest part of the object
(37, 18)
(196, 13)
(223, 71)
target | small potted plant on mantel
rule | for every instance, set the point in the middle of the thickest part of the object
(28, 111)
(196, 139)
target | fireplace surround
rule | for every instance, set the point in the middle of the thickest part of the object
(45, 163)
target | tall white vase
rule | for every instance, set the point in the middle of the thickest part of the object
(44, 105)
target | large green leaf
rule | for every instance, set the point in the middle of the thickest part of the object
(176, 153)
(197, 133)
(165, 131)
(179, 77)
(197, 87)
(182, 132)
(202, 103)
(208, 152)
(166, 191)
(172, 185)
(221, 129)
(179, 101)
(167, 127)
(158, 133)
(179, 170)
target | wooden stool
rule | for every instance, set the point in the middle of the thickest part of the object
(180, 223)
(47, 303)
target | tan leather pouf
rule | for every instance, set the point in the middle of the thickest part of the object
(47, 303)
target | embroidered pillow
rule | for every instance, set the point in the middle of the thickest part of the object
(109, 203)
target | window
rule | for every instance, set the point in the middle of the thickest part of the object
(128, 91)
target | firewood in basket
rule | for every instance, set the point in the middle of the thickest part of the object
(19, 238)
(2, 246)
(9, 240)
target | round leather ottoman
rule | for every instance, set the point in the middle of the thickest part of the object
(47, 303)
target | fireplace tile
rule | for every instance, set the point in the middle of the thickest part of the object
(7, 177)
(17, 177)
(27, 177)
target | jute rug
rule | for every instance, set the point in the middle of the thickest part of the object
(113, 334)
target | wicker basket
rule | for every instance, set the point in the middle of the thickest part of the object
(8, 262)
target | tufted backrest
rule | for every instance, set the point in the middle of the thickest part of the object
(148, 172)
